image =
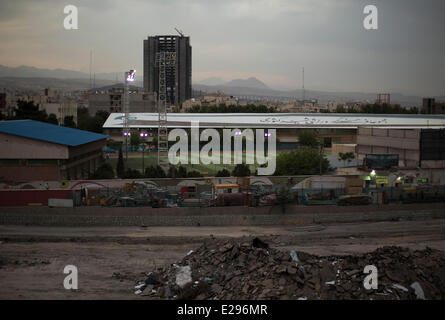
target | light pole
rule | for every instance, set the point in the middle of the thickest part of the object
(129, 77)
(143, 135)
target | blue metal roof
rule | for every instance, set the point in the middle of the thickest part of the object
(49, 132)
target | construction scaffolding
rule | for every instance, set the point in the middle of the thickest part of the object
(165, 61)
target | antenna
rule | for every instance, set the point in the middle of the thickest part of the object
(91, 63)
(180, 32)
(304, 93)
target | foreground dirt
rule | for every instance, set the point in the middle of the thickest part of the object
(110, 260)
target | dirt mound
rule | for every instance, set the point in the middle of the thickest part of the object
(250, 269)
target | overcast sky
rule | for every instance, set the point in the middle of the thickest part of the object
(268, 39)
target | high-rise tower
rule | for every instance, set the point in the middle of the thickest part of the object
(178, 76)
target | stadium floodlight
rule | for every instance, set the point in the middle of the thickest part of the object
(130, 75)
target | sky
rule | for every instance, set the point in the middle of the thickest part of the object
(271, 40)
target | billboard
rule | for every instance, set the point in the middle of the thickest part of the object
(381, 160)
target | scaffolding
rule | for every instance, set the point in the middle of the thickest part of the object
(165, 61)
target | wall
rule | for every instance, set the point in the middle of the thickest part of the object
(12, 198)
(28, 173)
(15, 147)
(404, 142)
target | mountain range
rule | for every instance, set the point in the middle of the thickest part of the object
(31, 78)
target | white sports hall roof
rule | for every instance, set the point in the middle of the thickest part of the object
(280, 120)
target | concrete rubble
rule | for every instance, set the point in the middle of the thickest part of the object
(250, 269)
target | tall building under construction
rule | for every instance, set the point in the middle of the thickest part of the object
(178, 75)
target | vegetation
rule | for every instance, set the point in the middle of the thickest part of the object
(181, 172)
(347, 156)
(120, 169)
(376, 108)
(89, 123)
(222, 108)
(135, 139)
(29, 110)
(68, 121)
(52, 119)
(284, 196)
(223, 173)
(154, 172)
(104, 171)
(308, 138)
(241, 170)
(133, 174)
(303, 161)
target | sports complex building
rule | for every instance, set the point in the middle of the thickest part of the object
(417, 139)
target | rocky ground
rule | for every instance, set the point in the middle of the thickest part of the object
(112, 260)
(250, 269)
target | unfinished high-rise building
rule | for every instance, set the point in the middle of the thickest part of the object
(178, 75)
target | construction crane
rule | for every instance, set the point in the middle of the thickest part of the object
(180, 32)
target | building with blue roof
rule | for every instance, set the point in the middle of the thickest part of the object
(33, 150)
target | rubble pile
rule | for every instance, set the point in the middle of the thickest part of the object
(249, 269)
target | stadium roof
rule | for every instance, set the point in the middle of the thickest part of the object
(280, 120)
(49, 132)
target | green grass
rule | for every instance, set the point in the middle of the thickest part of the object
(135, 162)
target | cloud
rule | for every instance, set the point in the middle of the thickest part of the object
(271, 39)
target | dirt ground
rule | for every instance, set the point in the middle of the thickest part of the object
(111, 259)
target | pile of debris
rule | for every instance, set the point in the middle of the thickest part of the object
(249, 269)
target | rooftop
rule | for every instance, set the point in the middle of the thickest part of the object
(280, 120)
(49, 132)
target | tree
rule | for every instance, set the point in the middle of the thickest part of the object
(241, 170)
(68, 121)
(347, 156)
(223, 173)
(303, 161)
(52, 119)
(132, 174)
(104, 171)
(89, 123)
(154, 172)
(283, 198)
(194, 174)
(182, 172)
(28, 110)
(308, 138)
(135, 139)
(120, 169)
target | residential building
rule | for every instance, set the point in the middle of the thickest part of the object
(112, 101)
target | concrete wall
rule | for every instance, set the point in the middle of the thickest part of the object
(15, 147)
(27, 173)
(404, 142)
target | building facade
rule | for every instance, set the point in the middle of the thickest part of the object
(416, 148)
(33, 150)
(178, 76)
(112, 101)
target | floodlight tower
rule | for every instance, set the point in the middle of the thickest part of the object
(165, 61)
(129, 77)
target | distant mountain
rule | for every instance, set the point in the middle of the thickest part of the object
(322, 96)
(32, 72)
(213, 81)
(247, 83)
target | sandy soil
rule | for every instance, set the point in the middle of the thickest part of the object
(111, 259)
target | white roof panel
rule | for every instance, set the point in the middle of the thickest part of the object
(279, 120)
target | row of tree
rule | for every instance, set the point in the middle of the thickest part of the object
(223, 108)
(376, 108)
(30, 110)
